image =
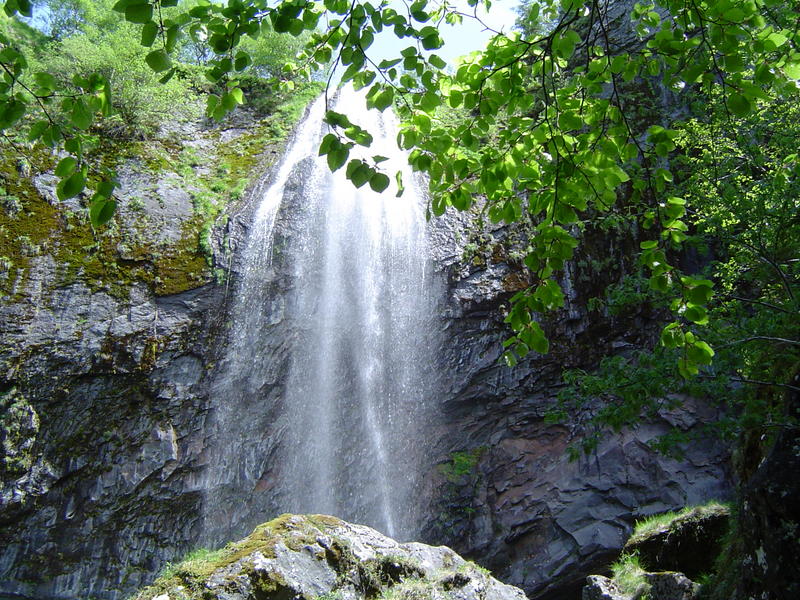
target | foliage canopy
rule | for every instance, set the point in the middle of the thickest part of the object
(549, 124)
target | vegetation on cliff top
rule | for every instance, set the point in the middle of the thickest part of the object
(153, 137)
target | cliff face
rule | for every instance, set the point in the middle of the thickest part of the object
(506, 492)
(106, 343)
(110, 410)
(113, 416)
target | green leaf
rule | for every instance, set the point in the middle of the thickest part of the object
(149, 33)
(358, 172)
(173, 33)
(139, 13)
(242, 61)
(337, 157)
(672, 336)
(328, 142)
(80, 116)
(167, 76)
(538, 341)
(37, 130)
(696, 314)
(101, 210)
(384, 99)
(432, 42)
(237, 95)
(379, 182)
(24, 7)
(45, 81)
(71, 186)
(11, 111)
(739, 105)
(158, 60)
(437, 62)
(792, 70)
(66, 167)
(123, 4)
(564, 45)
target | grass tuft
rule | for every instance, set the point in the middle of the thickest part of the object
(629, 576)
(664, 521)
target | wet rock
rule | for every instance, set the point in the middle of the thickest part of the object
(307, 557)
(524, 510)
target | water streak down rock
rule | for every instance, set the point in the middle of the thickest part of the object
(325, 377)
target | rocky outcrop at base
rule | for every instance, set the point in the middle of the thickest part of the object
(316, 556)
(666, 585)
(689, 543)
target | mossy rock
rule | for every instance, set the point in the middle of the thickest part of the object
(309, 557)
(689, 542)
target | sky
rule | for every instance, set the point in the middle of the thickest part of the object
(458, 40)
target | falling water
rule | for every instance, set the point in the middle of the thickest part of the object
(325, 396)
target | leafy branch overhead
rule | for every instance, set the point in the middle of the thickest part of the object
(546, 125)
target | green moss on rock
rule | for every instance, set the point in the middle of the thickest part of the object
(314, 557)
(112, 259)
(688, 541)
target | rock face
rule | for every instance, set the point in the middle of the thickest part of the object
(110, 406)
(507, 494)
(769, 516)
(666, 585)
(106, 479)
(671, 586)
(601, 588)
(309, 557)
(104, 393)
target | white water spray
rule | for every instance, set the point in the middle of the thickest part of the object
(342, 415)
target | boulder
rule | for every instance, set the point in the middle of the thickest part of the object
(690, 543)
(666, 585)
(601, 588)
(315, 556)
(669, 585)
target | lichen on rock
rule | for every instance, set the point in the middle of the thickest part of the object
(22, 471)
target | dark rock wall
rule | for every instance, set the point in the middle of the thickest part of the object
(524, 510)
(769, 515)
(119, 408)
(104, 395)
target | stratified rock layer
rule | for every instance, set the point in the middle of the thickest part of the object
(308, 557)
(505, 492)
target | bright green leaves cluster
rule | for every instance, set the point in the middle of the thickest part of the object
(80, 102)
(729, 42)
(219, 106)
(358, 171)
(154, 27)
(336, 151)
(544, 131)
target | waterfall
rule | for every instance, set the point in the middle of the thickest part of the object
(325, 396)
